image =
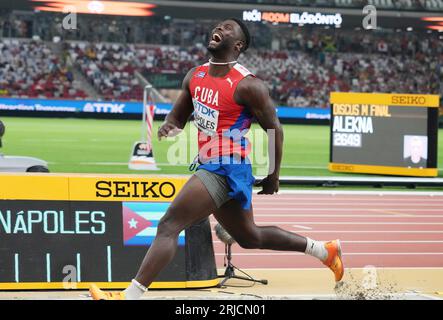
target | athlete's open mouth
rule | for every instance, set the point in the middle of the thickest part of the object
(216, 38)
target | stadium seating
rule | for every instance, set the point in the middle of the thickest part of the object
(302, 67)
(344, 3)
(299, 79)
(110, 68)
(382, 4)
(301, 76)
(296, 78)
(432, 4)
(30, 69)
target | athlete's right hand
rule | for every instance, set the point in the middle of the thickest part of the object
(269, 184)
(168, 129)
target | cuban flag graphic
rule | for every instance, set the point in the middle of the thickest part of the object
(140, 221)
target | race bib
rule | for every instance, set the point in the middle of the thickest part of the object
(205, 118)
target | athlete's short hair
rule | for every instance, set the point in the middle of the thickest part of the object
(245, 31)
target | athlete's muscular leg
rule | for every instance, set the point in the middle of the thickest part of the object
(239, 223)
(191, 205)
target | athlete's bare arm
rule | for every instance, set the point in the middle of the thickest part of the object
(182, 110)
(253, 93)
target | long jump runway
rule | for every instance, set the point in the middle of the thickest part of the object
(382, 230)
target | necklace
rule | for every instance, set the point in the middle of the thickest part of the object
(221, 63)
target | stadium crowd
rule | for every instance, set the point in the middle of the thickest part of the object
(111, 68)
(385, 4)
(31, 69)
(299, 79)
(301, 76)
(301, 65)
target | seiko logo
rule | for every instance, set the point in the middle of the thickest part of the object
(408, 100)
(134, 189)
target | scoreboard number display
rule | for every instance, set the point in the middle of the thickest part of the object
(390, 134)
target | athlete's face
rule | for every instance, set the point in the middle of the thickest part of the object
(225, 36)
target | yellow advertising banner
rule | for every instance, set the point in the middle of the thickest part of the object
(399, 171)
(406, 100)
(37, 186)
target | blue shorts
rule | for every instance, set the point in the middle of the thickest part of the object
(238, 174)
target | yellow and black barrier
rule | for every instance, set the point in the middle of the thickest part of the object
(64, 231)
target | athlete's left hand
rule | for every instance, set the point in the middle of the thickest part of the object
(269, 185)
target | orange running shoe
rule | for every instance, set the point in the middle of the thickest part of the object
(334, 261)
(98, 294)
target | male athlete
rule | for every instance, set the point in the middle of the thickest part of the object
(416, 148)
(224, 97)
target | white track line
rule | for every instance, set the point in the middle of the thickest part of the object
(333, 199)
(349, 269)
(344, 254)
(372, 193)
(370, 204)
(375, 241)
(302, 224)
(372, 231)
(392, 241)
(295, 225)
(354, 223)
(350, 215)
(344, 209)
(358, 223)
(367, 231)
(366, 223)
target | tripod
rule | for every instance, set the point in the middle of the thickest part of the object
(230, 270)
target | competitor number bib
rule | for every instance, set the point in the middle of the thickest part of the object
(205, 118)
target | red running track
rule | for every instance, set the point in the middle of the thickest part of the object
(379, 230)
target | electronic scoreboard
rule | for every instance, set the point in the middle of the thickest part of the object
(392, 134)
